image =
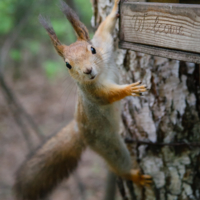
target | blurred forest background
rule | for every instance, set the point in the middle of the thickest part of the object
(37, 97)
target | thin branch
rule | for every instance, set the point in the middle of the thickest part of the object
(23, 128)
(16, 115)
(131, 189)
(122, 188)
(12, 99)
(192, 144)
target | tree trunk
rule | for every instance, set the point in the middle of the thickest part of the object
(168, 113)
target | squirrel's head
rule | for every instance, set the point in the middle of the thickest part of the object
(81, 58)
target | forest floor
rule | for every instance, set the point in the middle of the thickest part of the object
(51, 103)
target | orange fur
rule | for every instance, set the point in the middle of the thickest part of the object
(138, 178)
(116, 92)
(112, 92)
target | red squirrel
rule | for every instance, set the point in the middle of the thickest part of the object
(97, 117)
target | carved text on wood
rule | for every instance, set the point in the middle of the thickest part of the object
(173, 26)
(141, 24)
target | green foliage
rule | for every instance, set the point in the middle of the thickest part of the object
(6, 25)
(6, 9)
(64, 31)
(15, 54)
(34, 46)
(85, 11)
(51, 68)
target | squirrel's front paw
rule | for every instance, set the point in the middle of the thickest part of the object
(135, 89)
(140, 179)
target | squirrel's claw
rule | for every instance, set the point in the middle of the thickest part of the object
(136, 89)
(138, 178)
(146, 180)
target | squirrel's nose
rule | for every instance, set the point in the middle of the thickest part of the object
(88, 71)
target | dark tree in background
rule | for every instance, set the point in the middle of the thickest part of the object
(169, 115)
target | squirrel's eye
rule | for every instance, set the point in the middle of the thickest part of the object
(68, 65)
(93, 50)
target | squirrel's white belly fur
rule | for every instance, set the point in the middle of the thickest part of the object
(106, 136)
(101, 130)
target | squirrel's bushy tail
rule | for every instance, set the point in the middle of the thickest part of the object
(53, 162)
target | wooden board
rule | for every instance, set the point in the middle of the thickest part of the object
(168, 26)
(158, 51)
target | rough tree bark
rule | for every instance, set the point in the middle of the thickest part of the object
(168, 113)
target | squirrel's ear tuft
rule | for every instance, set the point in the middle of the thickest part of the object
(47, 25)
(78, 26)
